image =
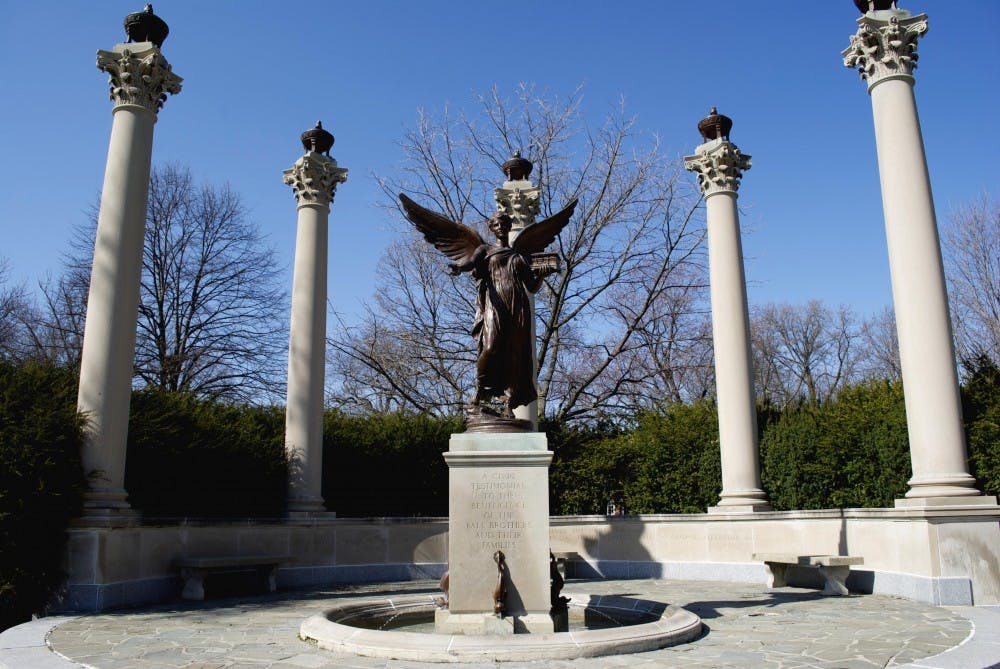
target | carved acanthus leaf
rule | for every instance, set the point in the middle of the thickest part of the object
(521, 204)
(719, 168)
(882, 49)
(314, 178)
(140, 78)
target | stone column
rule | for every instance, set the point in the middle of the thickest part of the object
(140, 78)
(884, 52)
(720, 166)
(313, 178)
(518, 198)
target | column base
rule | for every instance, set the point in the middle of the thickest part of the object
(309, 516)
(741, 501)
(942, 485)
(306, 505)
(740, 507)
(107, 507)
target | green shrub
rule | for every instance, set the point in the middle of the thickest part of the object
(676, 453)
(386, 465)
(668, 463)
(192, 457)
(849, 453)
(981, 408)
(588, 468)
(42, 482)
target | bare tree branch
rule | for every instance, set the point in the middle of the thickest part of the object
(632, 255)
(972, 261)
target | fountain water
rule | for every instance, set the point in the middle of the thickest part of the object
(399, 628)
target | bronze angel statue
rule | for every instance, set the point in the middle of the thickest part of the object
(506, 274)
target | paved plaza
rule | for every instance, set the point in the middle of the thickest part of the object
(747, 626)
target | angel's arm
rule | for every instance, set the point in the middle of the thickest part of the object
(534, 282)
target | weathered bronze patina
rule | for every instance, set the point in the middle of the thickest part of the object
(715, 126)
(556, 583)
(500, 592)
(145, 26)
(317, 139)
(517, 168)
(506, 274)
(865, 6)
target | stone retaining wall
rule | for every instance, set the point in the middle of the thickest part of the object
(939, 555)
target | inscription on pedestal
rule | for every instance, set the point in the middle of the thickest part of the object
(497, 506)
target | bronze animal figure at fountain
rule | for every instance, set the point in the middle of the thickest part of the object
(556, 583)
(500, 592)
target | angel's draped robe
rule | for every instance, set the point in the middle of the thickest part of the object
(503, 325)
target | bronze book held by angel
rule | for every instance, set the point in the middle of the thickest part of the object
(506, 275)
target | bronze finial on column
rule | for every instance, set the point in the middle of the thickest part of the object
(145, 26)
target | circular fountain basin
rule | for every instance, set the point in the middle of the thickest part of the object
(599, 625)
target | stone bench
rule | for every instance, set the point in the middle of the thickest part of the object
(833, 568)
(562, 557)
(195, 569)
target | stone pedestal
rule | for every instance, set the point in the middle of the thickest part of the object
(314, 178)
(139, 78)
(884, 52)
(498, 501)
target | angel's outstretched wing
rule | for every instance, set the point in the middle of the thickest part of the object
(455, 240)
(534, 238)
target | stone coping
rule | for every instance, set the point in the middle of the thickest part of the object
(674, 625)
(977, 511)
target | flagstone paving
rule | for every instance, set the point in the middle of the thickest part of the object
(746, 626)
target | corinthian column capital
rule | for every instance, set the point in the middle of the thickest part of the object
(314, 178)
(719, 165)
(518, 197)
(139, 75)
(885, 46)
(520, 203)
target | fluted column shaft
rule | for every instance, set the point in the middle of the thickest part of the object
(140, 78)
(315, 178)
(883, 51)
(720, 165)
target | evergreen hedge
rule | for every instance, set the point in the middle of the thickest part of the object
(42, 483)
(588, 468)
(849, 453)
(981, 407)
(189, 457)
(386, 465)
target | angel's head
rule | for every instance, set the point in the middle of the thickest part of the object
(500, 226)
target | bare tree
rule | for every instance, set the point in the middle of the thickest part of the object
(803, 353)
(16, 313)
(211, 318)
(880, 346)
(631, 256)
(972, 261)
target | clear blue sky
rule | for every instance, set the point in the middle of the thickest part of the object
(256, 74)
